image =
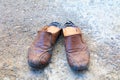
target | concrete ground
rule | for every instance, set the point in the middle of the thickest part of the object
(99, 21)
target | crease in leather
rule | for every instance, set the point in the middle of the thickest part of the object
(43, 40)
(76, 51)
(74, 43)
(42, 43)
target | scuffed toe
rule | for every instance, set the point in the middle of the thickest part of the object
(39, 62)
(79, 68)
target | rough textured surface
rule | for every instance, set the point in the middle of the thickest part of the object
(99, 21)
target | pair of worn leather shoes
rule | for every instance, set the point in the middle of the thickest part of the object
(40, 52)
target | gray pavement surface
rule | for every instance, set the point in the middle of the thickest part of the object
(99, 21)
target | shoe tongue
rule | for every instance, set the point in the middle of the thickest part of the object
(44, 39)
(73, 42)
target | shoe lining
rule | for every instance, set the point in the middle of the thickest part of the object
(71, 31)
(51, 29)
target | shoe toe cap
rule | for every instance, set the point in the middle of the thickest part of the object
(79, 68)
(39, 61)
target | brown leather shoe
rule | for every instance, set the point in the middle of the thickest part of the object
(76, 49)
(40, 52)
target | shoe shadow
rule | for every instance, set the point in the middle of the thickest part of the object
(79, 74)
(36, 72)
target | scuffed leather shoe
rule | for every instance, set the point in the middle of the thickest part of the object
(76, 49)
(40, 52)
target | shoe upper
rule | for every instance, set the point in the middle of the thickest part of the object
(40, 52)
(77, 53)
(76, 48)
